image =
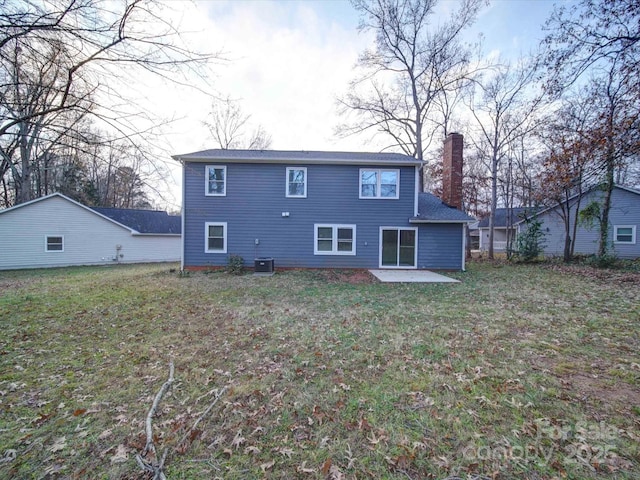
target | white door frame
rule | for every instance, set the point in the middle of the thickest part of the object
(415, 249)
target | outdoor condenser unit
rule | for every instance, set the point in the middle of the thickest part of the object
(264, 265)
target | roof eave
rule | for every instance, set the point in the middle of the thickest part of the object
(294, 160)
(427, 220)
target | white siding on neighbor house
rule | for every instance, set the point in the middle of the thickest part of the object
(89, 239)
(499, 238)
(625, 210)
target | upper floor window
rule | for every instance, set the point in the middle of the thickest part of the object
(216, 180)
(54, 244)
(297, 182)
(379, 183)
(624, 234)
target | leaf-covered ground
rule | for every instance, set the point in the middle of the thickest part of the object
(517, 372)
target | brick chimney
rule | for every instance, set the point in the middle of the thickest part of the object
(452, 170)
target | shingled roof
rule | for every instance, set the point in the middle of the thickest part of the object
(144, 221)
(517, 214)
(297, 156)
(432, 209)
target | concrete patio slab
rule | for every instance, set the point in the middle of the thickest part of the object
(411, 276)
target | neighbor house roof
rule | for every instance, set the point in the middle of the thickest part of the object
(143, 221)
(432, 209)
(517, 214)
(298, 156)
(573, 197)
(138, 222)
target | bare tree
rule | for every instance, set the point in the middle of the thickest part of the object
(503, 112)
(588, 34)
(61, 56)
(600, 40)
(229, 127)
(414, 68)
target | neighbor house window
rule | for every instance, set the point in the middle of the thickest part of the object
(216, 180)
(215, 237)
(335, 239)
(296, 182)
(624, 234)
(379, 183)
(54, 244)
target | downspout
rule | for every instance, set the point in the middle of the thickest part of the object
(464, 246)
(418, 172)
(182, 215)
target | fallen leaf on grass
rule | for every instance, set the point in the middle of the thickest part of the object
(302, 468)
(238, 440)
(335, 473)
(286, 452)
(266, 466)
(105, 434)
(326, 466)
(121, 455)
(59, 444)
(9, 456)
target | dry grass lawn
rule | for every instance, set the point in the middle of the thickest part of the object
(525, 372)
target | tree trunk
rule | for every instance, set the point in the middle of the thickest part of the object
(494, 201)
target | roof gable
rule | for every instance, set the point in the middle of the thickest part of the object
(135, 221)
(543, 211)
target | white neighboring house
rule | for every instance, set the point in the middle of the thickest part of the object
(624, 222)
(55, 231)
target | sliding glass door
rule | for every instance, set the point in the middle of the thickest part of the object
(398, 247)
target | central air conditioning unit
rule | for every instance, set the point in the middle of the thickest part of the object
(264, 266)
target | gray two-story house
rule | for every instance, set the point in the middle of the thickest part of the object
(315, 209)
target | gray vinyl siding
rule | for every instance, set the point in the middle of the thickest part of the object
(89, 239)
(254, 202)
(440, 246)
(625, 210)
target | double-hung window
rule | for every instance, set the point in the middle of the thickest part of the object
(334, 239)
(624, 234)
(296, 182)
(215, 237)
(54, 244)
(379, 183)
(216, 180)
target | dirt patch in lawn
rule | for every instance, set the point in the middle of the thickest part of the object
(354, 277)
(608, 275)
(589, 387)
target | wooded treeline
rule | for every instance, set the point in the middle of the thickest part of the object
(537, 130)
(66, 124)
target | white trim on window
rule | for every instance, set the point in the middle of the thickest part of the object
(378, 183)
(334, 241)
(304, 183)
(629, 234)
(54, 243)
(208, 237)
(207, 181)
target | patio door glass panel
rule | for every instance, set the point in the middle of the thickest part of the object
(398, 247)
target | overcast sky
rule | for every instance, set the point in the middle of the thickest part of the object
(289, 60)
